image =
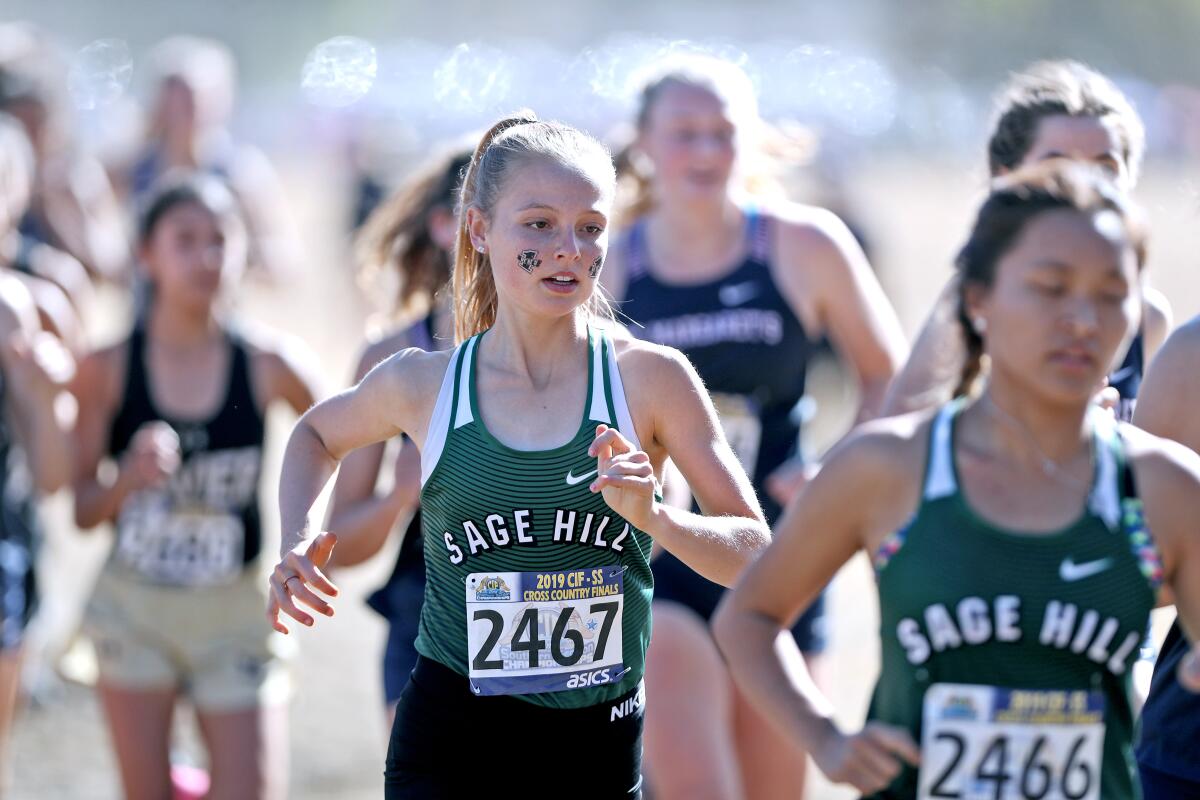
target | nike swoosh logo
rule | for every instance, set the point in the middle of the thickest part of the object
(575, 480)
(1070, 572)
(737, 293)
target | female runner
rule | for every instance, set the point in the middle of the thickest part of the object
(541, 440)
(745, 290)
(1016, 569)
(170, 443)
(1053, 109)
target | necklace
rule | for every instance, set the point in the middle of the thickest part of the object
(1048, 466)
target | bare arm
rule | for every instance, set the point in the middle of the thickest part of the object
(1168, 476)
(825, 277)
(731, 532)
(394, 396)
(934, 367)
(37, 367)
(828, 522)
(361, 518)
(1167, 397)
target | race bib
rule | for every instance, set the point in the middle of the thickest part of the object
(181, 548)
(742, 426)
(532, 632)
(988, 743)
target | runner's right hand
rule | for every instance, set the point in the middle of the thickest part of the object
(152, 457)
(300, 569)
(868, 760)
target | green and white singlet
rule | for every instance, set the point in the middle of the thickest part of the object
(535, 587)
(1008, 655)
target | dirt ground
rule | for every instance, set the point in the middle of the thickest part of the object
(916, 217)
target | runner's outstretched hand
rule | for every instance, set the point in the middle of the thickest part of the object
(295, 577)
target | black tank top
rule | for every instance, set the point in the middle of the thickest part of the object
(743, 338)
(203, 527)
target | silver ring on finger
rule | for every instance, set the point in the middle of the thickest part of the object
(285, 582)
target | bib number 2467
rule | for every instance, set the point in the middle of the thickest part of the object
(531, 632)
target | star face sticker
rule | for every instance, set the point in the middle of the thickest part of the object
(528, 260)
(594, 270)
(591, 624)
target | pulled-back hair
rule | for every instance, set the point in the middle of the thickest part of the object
(396, 235)
(763, 149)
(502, 149)
(1015, 201)
(184, 187)
(1060, 88)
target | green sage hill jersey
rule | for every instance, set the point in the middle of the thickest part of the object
(1007, 655)
(535, 588)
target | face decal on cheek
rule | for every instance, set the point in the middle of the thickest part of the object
(528, 260)
(594, 270)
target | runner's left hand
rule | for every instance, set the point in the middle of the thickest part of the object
(624, 476)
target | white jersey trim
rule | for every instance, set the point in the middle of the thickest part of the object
(939, 481)
(599, 409)
(620, 404)
(439, 421)
(463, 415)
(1105, 498)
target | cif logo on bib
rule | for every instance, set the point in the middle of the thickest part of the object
(488, 588)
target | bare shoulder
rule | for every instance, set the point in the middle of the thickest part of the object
(379, 348)
(876, 473)
(414, 374)
(804, 230)
(1160, 463)
(1182, 347)
(1172, 380)
(101, 373)
(651, 365)
(892, 450)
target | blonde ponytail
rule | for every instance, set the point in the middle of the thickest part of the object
(474, 288)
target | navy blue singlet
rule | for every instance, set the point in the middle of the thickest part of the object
(752, 353)
(1127, 378)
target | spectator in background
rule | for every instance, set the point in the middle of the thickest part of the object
(34, 444)
(187, 128)
(28, 260)
(72, 206)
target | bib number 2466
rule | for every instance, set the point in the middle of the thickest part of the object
(989, 743)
